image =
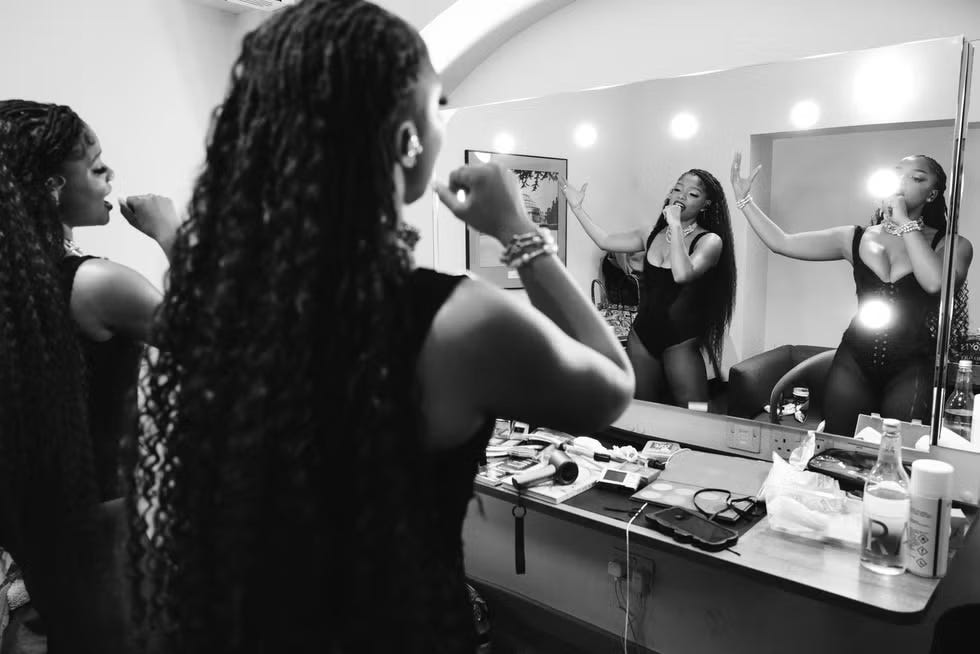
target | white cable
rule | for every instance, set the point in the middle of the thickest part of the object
(683, 449)
(626, 620)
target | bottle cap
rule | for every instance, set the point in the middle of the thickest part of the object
(931, 479)
(891, 426)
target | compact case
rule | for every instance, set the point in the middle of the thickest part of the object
(687, 527)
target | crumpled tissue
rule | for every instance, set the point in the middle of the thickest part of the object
(808, 503)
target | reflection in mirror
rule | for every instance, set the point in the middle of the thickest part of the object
(963, 354)
(818, 130)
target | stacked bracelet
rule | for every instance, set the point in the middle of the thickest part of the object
(910, 226)
(523, 248)
(744, 201)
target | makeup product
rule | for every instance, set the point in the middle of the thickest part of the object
(931, 492)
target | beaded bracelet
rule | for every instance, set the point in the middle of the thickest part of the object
(910, 226)
(523, 248)
(744, 201)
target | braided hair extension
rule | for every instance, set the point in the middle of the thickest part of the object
(719, 298)
(934, 215)
(272, 482)
(46, 464)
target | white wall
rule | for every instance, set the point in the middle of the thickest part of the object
(636, 160)
(593, 43)
(145, 74)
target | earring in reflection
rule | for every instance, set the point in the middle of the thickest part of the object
(414, 150)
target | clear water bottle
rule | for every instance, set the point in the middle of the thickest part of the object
(886, 506)
(958, 413)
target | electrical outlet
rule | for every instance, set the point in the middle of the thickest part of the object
(783, 442)
(744, 437)
(640, 572)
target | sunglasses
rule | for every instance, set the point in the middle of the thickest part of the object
(718, 503)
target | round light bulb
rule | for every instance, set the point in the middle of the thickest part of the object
(684, 126)
(585, 135)
(882, 183)
(504, 142)
(804, 114)
(461, 195)
(875, 314)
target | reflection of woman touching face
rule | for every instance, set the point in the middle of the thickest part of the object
(688, 285)
(686, 200)
(917, 187)
(884, 361)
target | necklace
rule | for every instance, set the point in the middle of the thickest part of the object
(71, 249)
(895, 230)
(687, 231)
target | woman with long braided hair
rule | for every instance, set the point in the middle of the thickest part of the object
(688, 286)
(884, 363)
(319, 405)
(69, 357)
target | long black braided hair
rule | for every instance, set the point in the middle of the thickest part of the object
(46, 464)
(718, 290)
(272, 495)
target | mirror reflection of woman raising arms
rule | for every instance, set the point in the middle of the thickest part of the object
(884, 363)
(688, 286)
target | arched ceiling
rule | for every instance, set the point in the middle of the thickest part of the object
(461, 34)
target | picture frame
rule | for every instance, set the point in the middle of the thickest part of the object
(537, 177)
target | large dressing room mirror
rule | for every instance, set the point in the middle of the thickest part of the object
(830, 133)
(959, 430)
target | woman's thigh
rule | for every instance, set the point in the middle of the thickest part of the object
(847, 394)
(648, 370)
(686, 375)
(908, 394)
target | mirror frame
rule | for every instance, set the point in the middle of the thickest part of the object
(948, 285)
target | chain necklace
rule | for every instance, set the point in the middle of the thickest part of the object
(687, 231)
(71, 249)
(895, 230)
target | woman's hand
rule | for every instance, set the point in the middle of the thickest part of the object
(575, 197)
(672, 213)
(895, 209)
(154, 215)
(491, 203)
(742, 185)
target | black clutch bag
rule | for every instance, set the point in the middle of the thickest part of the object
(850, 469)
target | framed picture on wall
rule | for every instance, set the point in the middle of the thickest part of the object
(537, 179)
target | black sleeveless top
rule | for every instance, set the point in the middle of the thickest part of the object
(112, 373)
(669, 312)
(447, 489)
(906, 336)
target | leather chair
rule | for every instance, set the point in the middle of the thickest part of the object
(771, 375)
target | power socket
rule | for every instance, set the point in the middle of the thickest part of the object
(641, 571)
(784, 442)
